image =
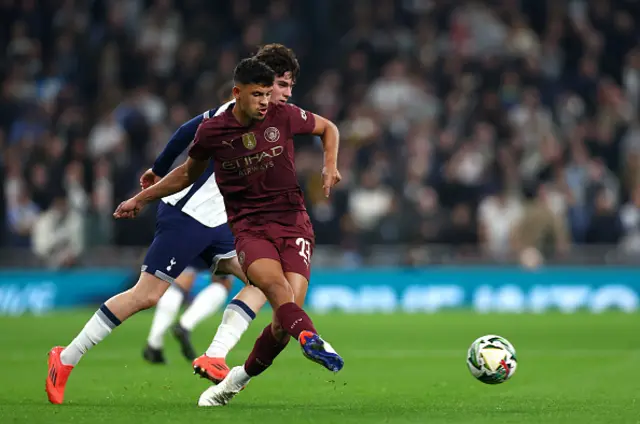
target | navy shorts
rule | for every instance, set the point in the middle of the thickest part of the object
(181, 241)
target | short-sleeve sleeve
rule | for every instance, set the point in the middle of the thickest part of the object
(201, 150)
(300, 121)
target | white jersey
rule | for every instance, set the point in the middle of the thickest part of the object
(202, 200)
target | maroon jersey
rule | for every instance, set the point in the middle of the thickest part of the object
(254, 165)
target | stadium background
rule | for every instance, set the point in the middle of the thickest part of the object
(490, 153)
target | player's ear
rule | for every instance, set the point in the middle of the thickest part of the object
(236, 92)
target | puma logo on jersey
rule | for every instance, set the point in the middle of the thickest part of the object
(228, 143)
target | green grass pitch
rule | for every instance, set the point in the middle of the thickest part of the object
(398, 369)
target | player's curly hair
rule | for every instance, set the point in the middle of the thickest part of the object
(280, 58)
(253, 71)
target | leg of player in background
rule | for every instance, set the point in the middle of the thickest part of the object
(165, 315)
(178, 240)
(144, 295)
(235, 321)
(286, 294)
(205, 304)
(237, 317)
(219, 257)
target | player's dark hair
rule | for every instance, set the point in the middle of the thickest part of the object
(252, 71)
(280, 58)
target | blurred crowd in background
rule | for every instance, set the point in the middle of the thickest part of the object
(493, 125)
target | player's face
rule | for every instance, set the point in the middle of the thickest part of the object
(254, 100)
(282, 88)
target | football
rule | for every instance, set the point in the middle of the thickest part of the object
(492, 359)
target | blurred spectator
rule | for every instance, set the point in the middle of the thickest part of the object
(160, 36)
(460, 230)
(101, 221)
(630, 221)
(369, 203)
(58, 235)
(540, 227)
(498, 217)
(605, 226)
(22, 216)
(106, 136)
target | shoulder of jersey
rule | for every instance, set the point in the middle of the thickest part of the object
(280, 109)
(212, 113)
(283, 106)
(214, 117)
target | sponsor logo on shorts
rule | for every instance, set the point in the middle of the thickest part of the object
(241, 258)
(272, 134)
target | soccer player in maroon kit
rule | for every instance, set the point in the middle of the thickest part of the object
(251, 145)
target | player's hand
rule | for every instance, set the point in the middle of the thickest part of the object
(330, 177)
(148, 179)
(128, 209)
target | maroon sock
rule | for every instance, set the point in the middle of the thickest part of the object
(264, 352)
(294, 320)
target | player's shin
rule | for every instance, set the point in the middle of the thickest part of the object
(265, 350)
(294, 319)
(95, 330)
(145, 294)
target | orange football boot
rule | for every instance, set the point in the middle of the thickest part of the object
(214, 369)
(57, 376)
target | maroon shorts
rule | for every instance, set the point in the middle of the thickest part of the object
(285, 237)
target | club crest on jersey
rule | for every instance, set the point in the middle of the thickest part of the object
(272, 134)
(249, 141)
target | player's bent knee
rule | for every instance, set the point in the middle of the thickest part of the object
(268, 276)
(299, 285)
(253, 297)
(143, 300)
(148, 291)
(278, 293)
(231, 266)
(185, 280)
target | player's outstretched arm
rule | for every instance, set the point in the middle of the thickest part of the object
(177, 180)
(178, 143)
(330, 136)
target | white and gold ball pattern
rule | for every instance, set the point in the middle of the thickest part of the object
(492, 359)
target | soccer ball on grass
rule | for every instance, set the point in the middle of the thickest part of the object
(492, 359)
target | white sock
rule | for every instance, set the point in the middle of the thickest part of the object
(235, 321)
(240, 378)
(165, 314)
(206, 303)
(97, 328)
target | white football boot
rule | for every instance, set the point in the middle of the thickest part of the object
(222, 393)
